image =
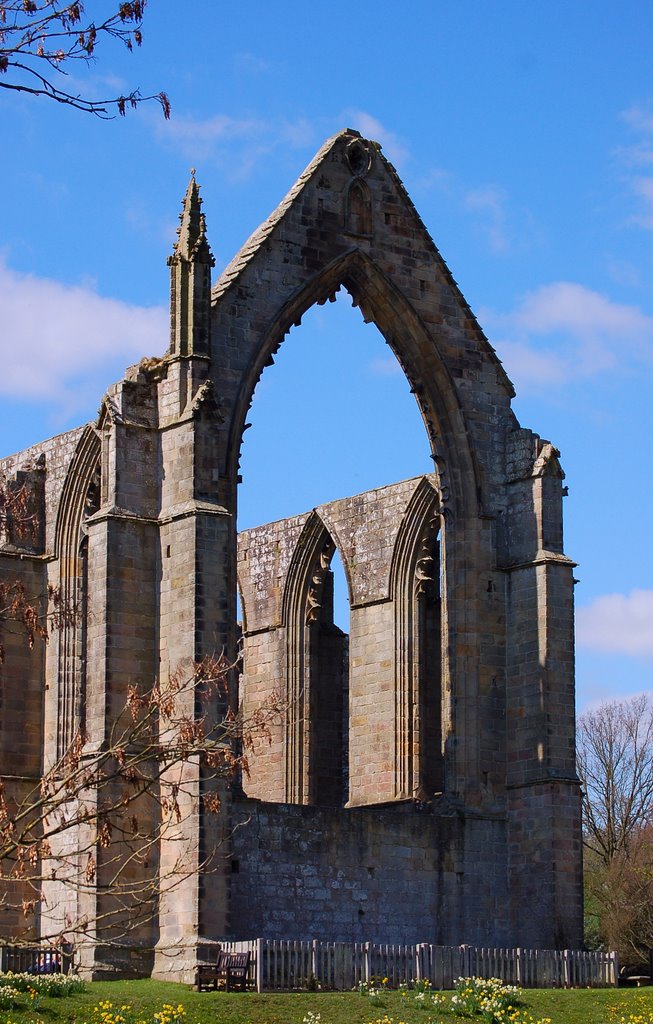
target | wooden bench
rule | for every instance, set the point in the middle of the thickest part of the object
(57, 959)
(230, 970)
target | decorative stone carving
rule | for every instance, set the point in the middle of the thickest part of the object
(205, 400)
(314, 598)
(359, 157)
(92, 499)
(426, 566)
(548, 462)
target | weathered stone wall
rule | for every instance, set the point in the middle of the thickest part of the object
(25, 550)
(21, 736)
(57, 453)
(281, 583)
(457, 696)
(368, 874)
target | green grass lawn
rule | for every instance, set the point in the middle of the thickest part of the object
(146, 999)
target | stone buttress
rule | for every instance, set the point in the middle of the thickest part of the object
(420, 784)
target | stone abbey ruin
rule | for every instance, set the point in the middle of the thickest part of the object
(420, 784)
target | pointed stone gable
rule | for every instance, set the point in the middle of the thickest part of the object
(420, 784)
(309, 248)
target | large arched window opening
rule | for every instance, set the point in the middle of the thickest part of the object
(81, 499)
(416, 589)
(335, 417)
(327, 682)
(317, 674)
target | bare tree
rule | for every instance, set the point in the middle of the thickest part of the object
(34, 615)
(99, 816)
(615, 764)
(41, 39)
(104, 810)
(619, 902)
(17, 515)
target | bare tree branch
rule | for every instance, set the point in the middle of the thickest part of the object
(40, 39)
(33, 615)
(615, 764)
(115, 803)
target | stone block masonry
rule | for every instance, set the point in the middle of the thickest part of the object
(420, 783)
(374, 874)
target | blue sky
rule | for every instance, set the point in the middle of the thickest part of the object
(524, 134)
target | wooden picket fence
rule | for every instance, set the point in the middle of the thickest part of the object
(283, 965)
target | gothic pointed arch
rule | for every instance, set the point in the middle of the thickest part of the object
(80, 499)
(315, 740)
(383, 304)
(415, 587)
(460, 680)
(303, 253)
(243, 607)
(358, 209)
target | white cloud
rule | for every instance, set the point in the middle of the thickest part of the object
(95, 85)
(251, 63)
(638, 157)
(618, 624)
(141, 219)
(238, 145)
(438, 179)
(582, 333)
(298, 134)
(202, 139)
(527, 367)
(640, 119)
(642, 186)
(490, 202)
(385, 367)
(487, 204)
(371, 128)
(59, 341)
(624, 272)
(582, 312)
(591, 695)
(235, 145)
